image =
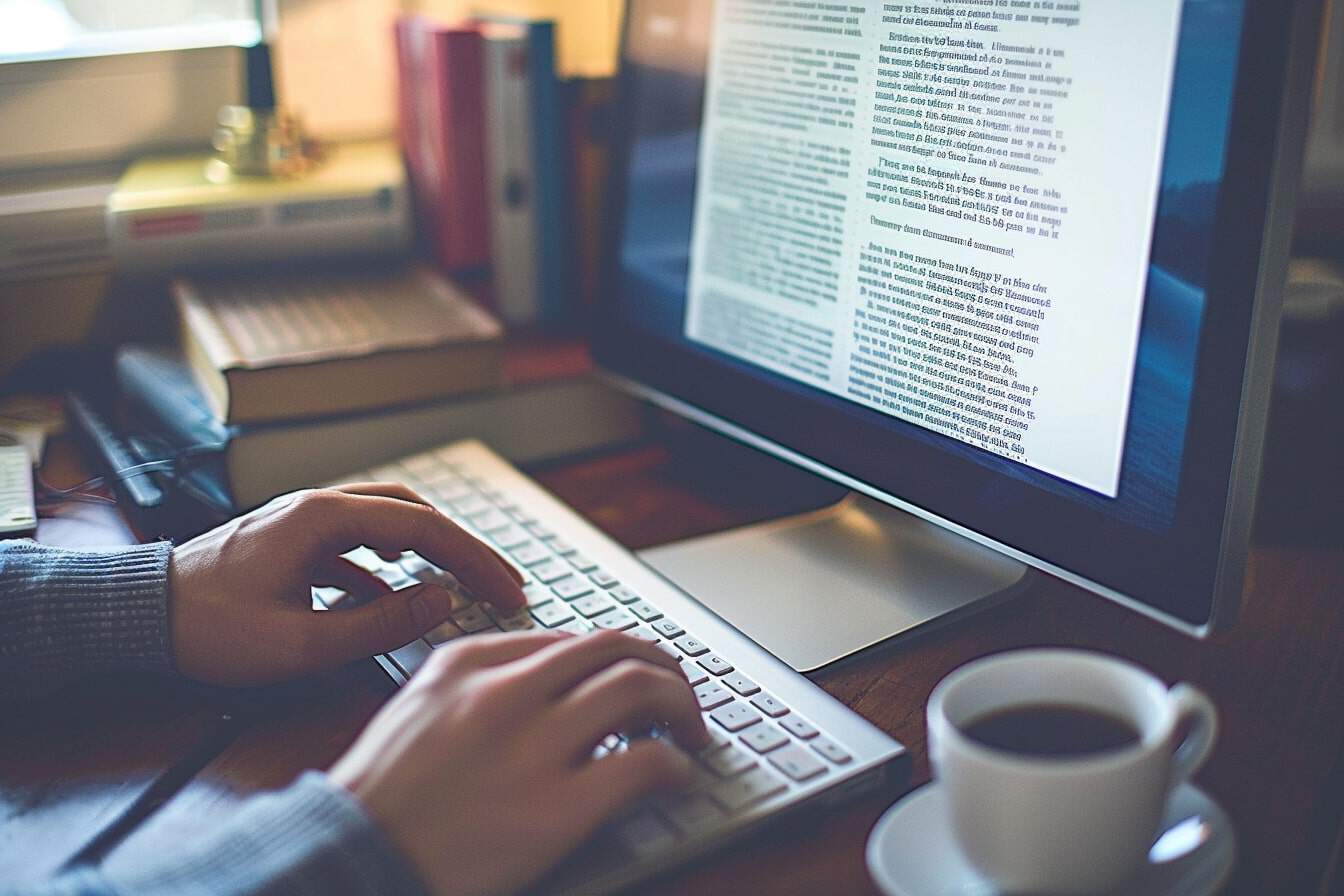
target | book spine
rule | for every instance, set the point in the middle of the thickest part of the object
(465, 236)
(550, 162)
(510, 167)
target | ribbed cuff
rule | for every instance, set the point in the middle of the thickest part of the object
(65, 614)
(313, 838)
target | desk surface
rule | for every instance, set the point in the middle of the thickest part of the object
(158, 760)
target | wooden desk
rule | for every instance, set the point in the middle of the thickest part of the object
(69, 768)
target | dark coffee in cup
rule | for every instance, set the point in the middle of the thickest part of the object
(1052, 730)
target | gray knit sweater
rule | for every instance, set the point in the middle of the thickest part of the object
(70, 614)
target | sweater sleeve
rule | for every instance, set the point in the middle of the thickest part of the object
(310, 840)
(66, 614)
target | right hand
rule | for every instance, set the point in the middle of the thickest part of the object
(480, 770)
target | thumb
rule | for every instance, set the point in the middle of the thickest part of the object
(383, 624)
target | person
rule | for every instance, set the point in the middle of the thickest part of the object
(477, 777)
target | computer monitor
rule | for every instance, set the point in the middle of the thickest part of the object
(1009, 269)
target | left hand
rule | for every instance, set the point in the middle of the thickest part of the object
(240, 604)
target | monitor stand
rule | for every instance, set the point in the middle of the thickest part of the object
(814, 588)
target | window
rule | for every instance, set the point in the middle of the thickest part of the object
(51, 29)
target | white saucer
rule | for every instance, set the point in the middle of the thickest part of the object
(911, 851)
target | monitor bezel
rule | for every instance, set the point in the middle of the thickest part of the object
(1237, 344)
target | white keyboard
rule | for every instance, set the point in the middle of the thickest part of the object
(780, 742)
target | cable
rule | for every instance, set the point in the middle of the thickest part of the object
(50, 496)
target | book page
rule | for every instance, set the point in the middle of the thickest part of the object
(942, 210)
(291, 319)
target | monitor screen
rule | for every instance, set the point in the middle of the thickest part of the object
(962, 252)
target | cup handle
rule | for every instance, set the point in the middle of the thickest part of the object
(1195, 710)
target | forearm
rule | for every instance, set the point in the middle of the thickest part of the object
(313, 838)
(66, 614)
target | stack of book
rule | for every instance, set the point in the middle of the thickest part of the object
(281, 381)
(506, 160)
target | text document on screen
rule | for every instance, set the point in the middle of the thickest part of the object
(941, 211)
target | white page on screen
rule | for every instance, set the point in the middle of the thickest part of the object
(941, 211)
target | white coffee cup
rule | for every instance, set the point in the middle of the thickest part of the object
(1074, 824)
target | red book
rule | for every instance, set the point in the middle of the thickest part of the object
(442, 126)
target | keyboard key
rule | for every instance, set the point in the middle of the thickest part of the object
(773, 708)
(741, 683)
(711, 695)
(550, 571)
(645, 834)
(537, 594)
(617, 620)
(798, 726)
(669, 649)
(553, 613)
(624, 595)
(717, 741)
(510, 537)
(764, 738)
(520, 621)
(394, 577)
(471, 503)
(603, 579)
(645, 610)
(473, 620)
(561, 547)
(415, 565)
(694, 674)
(689, 646)
(490, 519)
(797, 763)
(594, 605)
(451, 490)
(668, 629)
(365, 558)
(328, 597)
(745, 790)
(412, 656)
(575, 627)
(644, 634)
(572, 587)
(831, 750)
(693, 815)
(529, 553)
(579, 561)
(728, 762)
(715, 664)
(538, 530)
(442, 634)
(735, 716)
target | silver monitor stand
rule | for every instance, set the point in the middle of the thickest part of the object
(814, 588)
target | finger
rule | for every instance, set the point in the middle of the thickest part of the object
(553, 673)
(338, 572)
(342, 522)
(497, 649)
(627, 697)
(612, 784)
(383, 490)
(382, 625)
(406, 493)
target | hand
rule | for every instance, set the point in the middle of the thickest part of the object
(240, 601)
(480, 770)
